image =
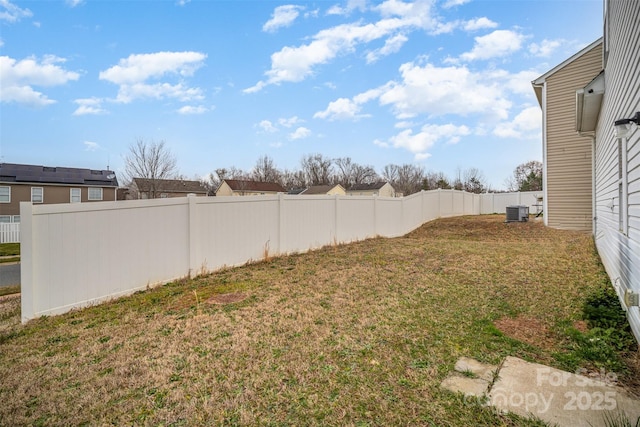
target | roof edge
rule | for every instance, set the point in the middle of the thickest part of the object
(540, 80)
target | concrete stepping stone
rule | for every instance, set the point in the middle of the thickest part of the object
(554, 396)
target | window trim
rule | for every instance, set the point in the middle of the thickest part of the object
(71, 191)
(41, 195)
(8, 187)
(91, 189)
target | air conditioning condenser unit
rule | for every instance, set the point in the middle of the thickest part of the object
(517, 213)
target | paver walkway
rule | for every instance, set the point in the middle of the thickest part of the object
(555, 396)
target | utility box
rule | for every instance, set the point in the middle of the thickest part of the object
(517, 213)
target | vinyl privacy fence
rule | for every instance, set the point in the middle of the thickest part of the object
(75, 255)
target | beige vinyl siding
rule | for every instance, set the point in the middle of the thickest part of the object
(568, 155)
(620, 253)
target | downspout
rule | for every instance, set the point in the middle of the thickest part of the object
(594, 217)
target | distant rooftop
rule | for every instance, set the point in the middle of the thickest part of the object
(367, 187)
(170, 185)
(243, 185)
(11, 172)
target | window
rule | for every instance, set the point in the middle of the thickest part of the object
(76, 195)
(5, 218)
(95, 193)
(16, 218)
(37, 195)
(5, 194)
(623, 221)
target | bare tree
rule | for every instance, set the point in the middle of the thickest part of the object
(406, 179)
(317, 169)
(293, 179)
(435, 180)
(474, 181)
(526, 177)
(265, 170)
(152, 161)
(345, 171)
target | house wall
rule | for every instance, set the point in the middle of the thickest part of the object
(387, 191)
(224, 190)
(337, 190)
(74, 255)
(51, 194)
(619, 246)
(568, 161)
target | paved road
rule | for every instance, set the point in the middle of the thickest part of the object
(9, 274)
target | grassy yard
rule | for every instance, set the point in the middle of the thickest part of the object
(358, 334)
(7, 252)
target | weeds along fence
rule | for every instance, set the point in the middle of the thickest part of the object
(75, 255)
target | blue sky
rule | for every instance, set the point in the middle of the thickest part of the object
(445, 84)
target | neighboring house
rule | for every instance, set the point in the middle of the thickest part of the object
(606, 113)
(324, 189)
(240, 187)
(567, 155)
(382, 189)
(47, 185)
(145, 188)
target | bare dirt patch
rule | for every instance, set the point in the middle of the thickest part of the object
(226, 298)
(529, 330)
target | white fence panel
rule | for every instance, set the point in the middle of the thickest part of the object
(74, 255)
(500, 201)
(244, 229)
(412, 215)
(355, 218)
(9, 232)
(307, 222)
(389, 217)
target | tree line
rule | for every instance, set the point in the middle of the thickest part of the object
(154, 160)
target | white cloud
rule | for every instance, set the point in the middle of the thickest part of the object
(526, 125)
(89, 106)
(74, 3)
(138, 68)
(496, 44)
(267, 126)
(349, 109)
(300, 133)
(545, 48)
(9, 12)
(282, 16)
(479, 24)
(182, 2)
(91, 146)
(340, 109)
(453, 3)
(435, 90)
(351, 6)
(19, 77)
(391, 45)
(1, 42)
(294, 64)
(191, 109)
(421, 142)
(290, 122)
(132, 73)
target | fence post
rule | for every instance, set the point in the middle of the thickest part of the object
(280, 223)
(26, 261)
(192, 219)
